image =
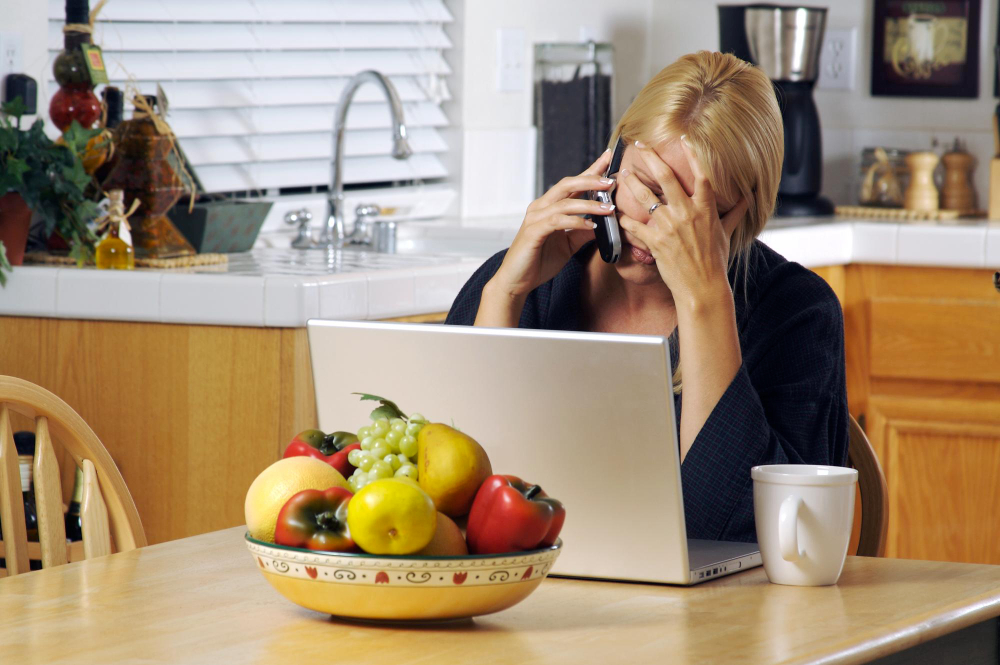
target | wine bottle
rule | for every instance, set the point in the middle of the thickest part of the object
(74, 523)
(25, 444)
(75, 99)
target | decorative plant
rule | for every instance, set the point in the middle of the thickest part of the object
(50, 177)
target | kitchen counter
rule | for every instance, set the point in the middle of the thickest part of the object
(285, 288)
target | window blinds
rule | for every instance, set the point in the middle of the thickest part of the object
(253, 85)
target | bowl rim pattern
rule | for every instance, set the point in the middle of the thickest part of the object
(396, 571)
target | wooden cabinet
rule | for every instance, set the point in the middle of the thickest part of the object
(923, 377)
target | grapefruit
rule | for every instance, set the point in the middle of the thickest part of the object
(277, 484)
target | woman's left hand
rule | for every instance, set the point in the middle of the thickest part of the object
(685, 235)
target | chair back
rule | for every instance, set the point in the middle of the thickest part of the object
(108, 514)
(874, 495)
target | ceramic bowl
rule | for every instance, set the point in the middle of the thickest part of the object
(400, 588)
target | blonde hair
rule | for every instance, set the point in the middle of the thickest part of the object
(729, 114)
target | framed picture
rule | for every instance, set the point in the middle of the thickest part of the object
(926, 48)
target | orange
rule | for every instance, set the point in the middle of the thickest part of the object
(277, 484)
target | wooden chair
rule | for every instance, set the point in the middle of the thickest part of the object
(874, 496)
(106, 509)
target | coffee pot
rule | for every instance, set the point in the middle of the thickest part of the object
(784, 42)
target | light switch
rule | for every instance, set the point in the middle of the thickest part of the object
(511, 57)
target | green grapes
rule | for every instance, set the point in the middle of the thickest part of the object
(380, 449)
(380, 427)
(408, 471)
(379, 470)
(408, 446)
(366, 461)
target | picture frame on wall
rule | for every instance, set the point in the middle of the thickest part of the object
(926, 48)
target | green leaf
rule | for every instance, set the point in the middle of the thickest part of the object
(387, 410)
(76, 137)
(15, 108)
(76, 175)
(5, 266)
(16, 168)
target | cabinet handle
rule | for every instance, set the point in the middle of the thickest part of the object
(996, 281)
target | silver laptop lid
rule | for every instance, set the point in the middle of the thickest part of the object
(588, 416)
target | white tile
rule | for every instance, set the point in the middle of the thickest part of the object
(390, 293)
(993, 247)
(812, 246)
(212, 299)
(290, 301)
(954, 246)
(874, 243)
(343, 297)
(30, 291)
(434, 289)
(122, 295)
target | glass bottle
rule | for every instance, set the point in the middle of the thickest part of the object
(74, 522)
(75, 99)
(25, 444)
(143, 171)
(100, 148)
(114, 102)
(113, 253)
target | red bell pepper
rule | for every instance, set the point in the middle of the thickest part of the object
(509, 515)
(331, 448)
(316, 520)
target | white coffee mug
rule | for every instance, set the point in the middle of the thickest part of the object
(804, 515)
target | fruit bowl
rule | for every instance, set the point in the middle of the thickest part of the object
(402, 588)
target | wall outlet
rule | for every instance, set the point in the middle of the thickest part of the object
(837, 59)
(11, 49)
(511, 59)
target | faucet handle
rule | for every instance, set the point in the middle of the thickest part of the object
(301, 217)
(367, 210)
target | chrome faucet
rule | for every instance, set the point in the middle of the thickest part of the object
(333, 234)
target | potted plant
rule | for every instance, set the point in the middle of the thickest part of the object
(50, 179)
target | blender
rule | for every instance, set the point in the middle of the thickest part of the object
(784, 42)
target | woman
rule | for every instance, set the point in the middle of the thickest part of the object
(760, 339)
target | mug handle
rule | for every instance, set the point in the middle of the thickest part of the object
(788, 528)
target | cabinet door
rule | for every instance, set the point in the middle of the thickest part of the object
(942, 463)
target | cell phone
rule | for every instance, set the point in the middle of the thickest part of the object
(608, 233)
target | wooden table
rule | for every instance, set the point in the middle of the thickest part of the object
(201, 600)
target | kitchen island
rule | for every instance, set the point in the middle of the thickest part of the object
(196, 380)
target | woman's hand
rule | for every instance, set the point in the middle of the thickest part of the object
(685, 234)
(691, 247)
(551, 232)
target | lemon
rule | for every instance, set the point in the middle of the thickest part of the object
(391, 516)
(277, 484)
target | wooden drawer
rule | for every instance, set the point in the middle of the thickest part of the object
(935, 339)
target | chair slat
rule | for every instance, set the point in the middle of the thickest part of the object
(15, 535)
(94, 515)
(48, 498)
(74, 551)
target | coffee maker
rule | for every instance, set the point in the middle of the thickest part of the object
(784, 42)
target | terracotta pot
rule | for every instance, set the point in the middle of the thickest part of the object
(15, 218)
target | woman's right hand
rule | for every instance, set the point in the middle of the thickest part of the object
(551, 232)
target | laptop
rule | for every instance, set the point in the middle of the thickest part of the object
(588, 416)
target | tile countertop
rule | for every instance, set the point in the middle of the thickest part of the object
(285, 288)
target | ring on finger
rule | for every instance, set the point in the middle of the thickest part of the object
(654, 207)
